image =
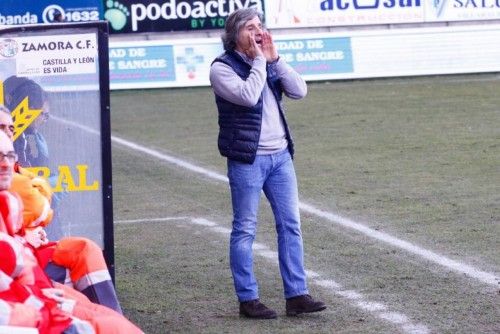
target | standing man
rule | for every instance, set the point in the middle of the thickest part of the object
(249, 80)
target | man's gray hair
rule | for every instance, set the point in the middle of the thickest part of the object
(4, 109)
(234, 23)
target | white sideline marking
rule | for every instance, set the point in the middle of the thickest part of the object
(222, 230)
(149, 220)
(376, 308)
(372, 306)
(485, 277)
(408, 246)
(172, 160)
(329, 284)
(312, 274)
(350, 294)
(482, 276)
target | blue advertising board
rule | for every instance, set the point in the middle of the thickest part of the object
(146, 63)
(162, 63)
(186, 62)
(317, 56)
(15, 12)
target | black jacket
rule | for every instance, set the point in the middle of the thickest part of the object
(239, 126)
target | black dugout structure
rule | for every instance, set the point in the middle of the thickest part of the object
(54, 78)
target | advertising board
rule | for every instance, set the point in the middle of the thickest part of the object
(54, 79)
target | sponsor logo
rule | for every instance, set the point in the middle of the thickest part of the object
(438, 6)
(67, 179)
(200, 11)
(26, 18)
(116, 14)
(56, 45)
(190, 60)
(8, 48)
(490, 4)
(367, 4)
(55, 13)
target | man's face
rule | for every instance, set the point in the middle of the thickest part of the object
(6, 125)
(7, 160)
(43, 117)
(252, 29)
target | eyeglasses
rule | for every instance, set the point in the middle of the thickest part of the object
(9, 156)
(4, 127)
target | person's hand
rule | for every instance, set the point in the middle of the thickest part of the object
(268, 48)
(30, 316)
(55, 294)
(254, 49)
(36, 237)
(63, 303)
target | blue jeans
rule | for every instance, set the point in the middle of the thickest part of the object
(275, 175)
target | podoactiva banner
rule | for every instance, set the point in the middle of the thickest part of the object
(55, 81)
(139, 16)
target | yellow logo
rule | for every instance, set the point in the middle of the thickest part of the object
(22, 115)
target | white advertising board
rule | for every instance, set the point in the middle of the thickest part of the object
(427, 51)
(461, 10)
(321, 56)
(54, 55)
(331, 13)
(315, 13)
(152, 64)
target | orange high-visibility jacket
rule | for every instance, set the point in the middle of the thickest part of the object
(27, 280)
(16, 272)
(82, 257)
(36, 194)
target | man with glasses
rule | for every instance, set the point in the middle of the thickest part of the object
(8, 159)
(80, 258)
(28, 297)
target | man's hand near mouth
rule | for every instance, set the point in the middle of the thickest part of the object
(254, 49)
(262, 45)
(268, 48)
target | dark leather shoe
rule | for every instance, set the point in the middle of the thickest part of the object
(303, 304)
(256, 310)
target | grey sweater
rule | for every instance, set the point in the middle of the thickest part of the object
(228, 85)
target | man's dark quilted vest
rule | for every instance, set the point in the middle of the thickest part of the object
(239, 126)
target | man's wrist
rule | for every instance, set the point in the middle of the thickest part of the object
(260, 58)
(274, 61)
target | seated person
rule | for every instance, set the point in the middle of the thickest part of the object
(79, 258)
(31, 145)
(23, 280)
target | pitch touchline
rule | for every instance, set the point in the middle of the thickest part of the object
(482, 276)
(444, 261)
(355, 298)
